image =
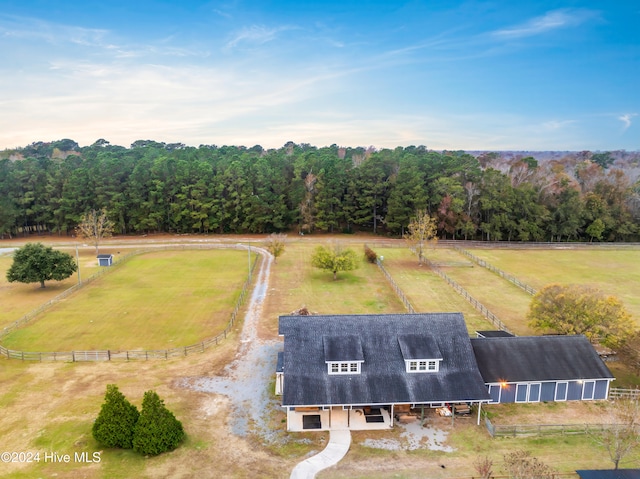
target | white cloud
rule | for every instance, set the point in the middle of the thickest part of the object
(557, 124)
(626, 119)
(12, 26)
(552, 20)
(255, 35)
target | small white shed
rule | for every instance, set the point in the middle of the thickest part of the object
(105, 259)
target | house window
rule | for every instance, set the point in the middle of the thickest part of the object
(346, 367)
(422, 366)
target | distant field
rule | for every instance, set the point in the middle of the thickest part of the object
(155, 301)
(614, 271)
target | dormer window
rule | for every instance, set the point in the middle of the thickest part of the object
(430, 365)
(343, 354)
(421, 353)
(348, 367)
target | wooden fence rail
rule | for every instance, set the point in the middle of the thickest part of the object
(465, 294)
(622, 393)
(520, 430)
(396, 288)
(499, 272)
(109, 355)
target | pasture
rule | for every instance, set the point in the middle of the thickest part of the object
(51, 406)
(296, 284)
(156, 300)
(614, 271)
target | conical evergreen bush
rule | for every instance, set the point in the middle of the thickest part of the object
(157, 429)
(114, 426)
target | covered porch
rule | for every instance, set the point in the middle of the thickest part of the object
(338, 417)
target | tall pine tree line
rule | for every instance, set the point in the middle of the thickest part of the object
(171, 188)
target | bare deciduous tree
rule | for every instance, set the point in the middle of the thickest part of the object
(483, 466)
(521, 465)
(623, 432)
(95, 226)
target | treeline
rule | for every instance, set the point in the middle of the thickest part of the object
(158, 187)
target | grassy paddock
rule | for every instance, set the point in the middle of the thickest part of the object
(426, 291)
(614, 271)
(157, 300)
(508, 302)
(295, 283)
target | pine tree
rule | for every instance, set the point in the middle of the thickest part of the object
(115, 424)
(157, 429)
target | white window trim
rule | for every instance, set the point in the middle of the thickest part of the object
(529, 392)
(566, 391)
(526, 392)
(500, 387)
(593, 391)
(422, 365)
(344, 367)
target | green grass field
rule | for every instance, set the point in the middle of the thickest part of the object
(155, 301)
(295, 283)
(426, 291)
(615, 272)
(175, 298)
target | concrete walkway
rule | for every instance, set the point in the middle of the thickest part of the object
(339, 442)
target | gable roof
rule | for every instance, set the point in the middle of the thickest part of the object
(538, 358)
(383, 378)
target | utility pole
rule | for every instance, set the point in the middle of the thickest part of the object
(78, 264)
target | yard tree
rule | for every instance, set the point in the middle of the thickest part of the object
(335, 259)
(622, 433)
(629, 352)
(115, 424)
(580, 309)
(595, 230)
(483, 466)
(157, 429)
(95, 226)
(36, 263)
(275, 244)
(422, 229)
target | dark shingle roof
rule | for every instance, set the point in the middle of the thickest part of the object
(342, 348)
(494, 334)
(280, 363)
(383, 378)
(538, 358)
(609, 474)
(419, 346)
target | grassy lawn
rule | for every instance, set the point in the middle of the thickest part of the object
(295, 283)
(614, 271)
(157, 300)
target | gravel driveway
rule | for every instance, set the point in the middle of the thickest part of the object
(247, 378)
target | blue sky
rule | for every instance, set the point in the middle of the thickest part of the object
(494, 75)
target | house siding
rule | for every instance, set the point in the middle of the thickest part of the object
(549, 391)
(602, 389)
(574, 392)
